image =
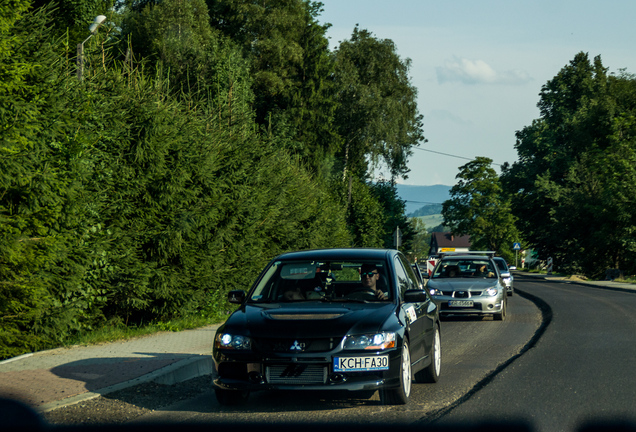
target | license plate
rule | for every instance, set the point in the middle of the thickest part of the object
(460, 303)
(360, 364)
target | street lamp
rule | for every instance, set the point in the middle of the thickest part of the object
(99, 19)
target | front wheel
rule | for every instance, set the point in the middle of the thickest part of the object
(400, 396)
(431, 373)
(501, 315)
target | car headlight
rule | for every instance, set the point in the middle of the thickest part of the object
(377, 341)
(234, 342)
(491, 292)
(435, 292)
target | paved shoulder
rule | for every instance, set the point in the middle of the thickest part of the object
(50, 379)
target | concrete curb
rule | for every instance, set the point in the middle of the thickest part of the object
(177, 372)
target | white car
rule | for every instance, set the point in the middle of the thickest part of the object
(506, 274)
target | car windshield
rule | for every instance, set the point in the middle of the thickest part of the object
(460, 268)
(297, 281)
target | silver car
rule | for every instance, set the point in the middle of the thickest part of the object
(507, 276)
(469, 284)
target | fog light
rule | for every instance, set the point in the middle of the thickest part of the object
(255, 377)
(337, 378)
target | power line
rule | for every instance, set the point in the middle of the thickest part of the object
(450, 155)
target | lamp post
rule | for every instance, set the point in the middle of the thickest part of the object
(99, 19)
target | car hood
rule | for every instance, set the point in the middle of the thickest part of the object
(462, 284)
(320, 320)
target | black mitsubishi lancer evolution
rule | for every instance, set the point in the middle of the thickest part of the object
(341, 319)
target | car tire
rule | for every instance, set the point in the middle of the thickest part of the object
(502, 315)
(430, 374)
(400, 396)
(511, 292)
(231, 397)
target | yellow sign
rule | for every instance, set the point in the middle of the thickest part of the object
(447, 250)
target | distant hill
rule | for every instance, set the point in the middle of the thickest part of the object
(427, 210)
(417, 197)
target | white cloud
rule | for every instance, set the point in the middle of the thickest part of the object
(478, 72)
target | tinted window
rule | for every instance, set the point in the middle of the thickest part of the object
(404, 281)
(287, 281)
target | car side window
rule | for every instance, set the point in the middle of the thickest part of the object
(410, 272)
(405, 282)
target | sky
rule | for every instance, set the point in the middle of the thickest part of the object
(479, 65)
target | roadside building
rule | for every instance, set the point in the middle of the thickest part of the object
(448, 242)
(445, 242)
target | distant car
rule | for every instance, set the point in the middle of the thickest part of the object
(507, 276)
(312, 322)
(469, 284)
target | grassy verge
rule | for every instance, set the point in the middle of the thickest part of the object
(120, 332)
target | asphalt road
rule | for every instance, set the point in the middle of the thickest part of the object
(582, 369)
(473, 351)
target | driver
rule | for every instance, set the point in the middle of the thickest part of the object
(369, 276)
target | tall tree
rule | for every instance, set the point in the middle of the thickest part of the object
(568, 174)
(288, 52)
(377, 114)
(394, 210)
(478, 207)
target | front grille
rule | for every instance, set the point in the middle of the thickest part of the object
(272, 345)
(296, 374)
(456, 294)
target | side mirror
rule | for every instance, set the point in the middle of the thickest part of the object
(236, 296)
(415, 296)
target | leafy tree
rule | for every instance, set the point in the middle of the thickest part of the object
(291, 66)
(569, 178)
(394, 211)
(421, 243)
(377, 114)
(176, 37)
(365, 216)
(478, 208)
(73, 17)
(36, 230)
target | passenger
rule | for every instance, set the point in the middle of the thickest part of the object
(293, 294)
(482, 271)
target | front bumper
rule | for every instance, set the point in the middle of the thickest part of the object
(300, 372)
(480, 306)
